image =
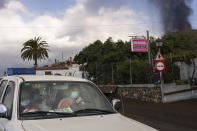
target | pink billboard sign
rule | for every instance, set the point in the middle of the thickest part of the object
(139, 45)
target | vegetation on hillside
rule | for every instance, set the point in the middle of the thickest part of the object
(109, 62)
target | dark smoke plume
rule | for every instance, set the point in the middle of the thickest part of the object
(2, 3)
(174, 14)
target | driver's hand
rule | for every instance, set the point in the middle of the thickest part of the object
(79, 100)
(65, 103)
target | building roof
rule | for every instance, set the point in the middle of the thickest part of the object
(48, 78)
(52, 68)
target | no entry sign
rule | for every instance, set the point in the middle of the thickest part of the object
(160, 66)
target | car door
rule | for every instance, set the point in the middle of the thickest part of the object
(7, 100)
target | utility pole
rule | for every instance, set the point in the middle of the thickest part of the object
(130, 63)
(130, 71)
(148, 42)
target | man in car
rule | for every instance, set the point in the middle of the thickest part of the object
(74, 98)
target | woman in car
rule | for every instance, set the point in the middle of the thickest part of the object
(29, 101)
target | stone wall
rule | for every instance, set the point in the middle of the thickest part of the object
(152, 94)
(141, 92)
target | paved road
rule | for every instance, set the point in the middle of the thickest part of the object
(180, 116)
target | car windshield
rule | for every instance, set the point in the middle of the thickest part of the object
(57, 99)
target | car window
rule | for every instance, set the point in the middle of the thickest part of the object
(8, 96)
(2, 87)
(64, 97)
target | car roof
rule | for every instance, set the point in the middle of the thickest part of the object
(47, 78)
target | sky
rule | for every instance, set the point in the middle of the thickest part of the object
(70, 25)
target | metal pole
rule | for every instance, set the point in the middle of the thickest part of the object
(161, 79)
(130, 61)
(148, 42)
(130, 71)
(161, 85)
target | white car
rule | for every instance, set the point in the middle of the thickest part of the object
(58, 103)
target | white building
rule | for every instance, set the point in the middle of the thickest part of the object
(73, 70)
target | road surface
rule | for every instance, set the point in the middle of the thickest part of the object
(180, 116)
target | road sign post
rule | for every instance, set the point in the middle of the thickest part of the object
(162, 94)
(160, 66)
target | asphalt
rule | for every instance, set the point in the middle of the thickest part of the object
(179, 116)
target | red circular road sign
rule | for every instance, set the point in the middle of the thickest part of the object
(160, 66)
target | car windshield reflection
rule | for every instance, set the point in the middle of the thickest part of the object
(38, 99)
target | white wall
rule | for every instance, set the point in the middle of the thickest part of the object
(70, 72)
(186, 70)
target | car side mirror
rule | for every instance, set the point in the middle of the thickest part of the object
(3, 111)
(116, 104)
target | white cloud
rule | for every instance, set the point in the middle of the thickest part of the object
(17, 6)
(76, 29)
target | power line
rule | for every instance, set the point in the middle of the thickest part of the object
(79, 26)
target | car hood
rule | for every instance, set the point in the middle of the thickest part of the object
(112, 122)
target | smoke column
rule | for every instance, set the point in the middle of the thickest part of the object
(174, 14)
(2, 3)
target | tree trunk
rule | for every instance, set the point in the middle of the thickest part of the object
(36, 64)
(36, 61)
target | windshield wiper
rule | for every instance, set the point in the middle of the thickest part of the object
(97, 111)
(47, 113)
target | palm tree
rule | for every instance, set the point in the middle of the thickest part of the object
(35, 49)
